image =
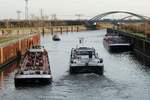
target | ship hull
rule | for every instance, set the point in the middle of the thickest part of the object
(22, 80)
(117, 47)
(87, 69)
(56, 39)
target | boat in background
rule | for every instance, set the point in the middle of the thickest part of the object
(116, 43)
(34, 68)
(56, 38)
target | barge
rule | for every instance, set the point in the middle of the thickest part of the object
(85, 60)
(34, 67)
(116, 44)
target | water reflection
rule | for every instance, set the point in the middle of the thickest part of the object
(1, 79)
(9, 69)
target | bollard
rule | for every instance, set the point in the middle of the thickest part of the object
(52, 31)
(61, 30)
(17, 31)
(72, 29)
(43, 31)
(3, 32)
(67, 29)
(77, 29)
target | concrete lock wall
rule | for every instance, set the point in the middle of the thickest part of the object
(10, 51)
(140, 45)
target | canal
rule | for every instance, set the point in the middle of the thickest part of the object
(124, 77)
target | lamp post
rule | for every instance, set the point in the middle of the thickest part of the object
(26, 9)
(79, 16)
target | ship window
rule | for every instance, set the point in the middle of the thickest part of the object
(84, 52)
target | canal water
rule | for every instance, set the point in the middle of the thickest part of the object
(124, 77)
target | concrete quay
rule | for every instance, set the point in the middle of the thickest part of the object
(9, 49)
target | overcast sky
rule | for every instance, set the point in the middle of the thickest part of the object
(68, 8)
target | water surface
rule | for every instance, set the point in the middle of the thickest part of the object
(124, 77)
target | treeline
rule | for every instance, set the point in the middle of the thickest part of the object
(137, 27)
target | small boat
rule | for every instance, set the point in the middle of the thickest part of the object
(56, 38)
(116, 44)
(85, 60)
(34, 67)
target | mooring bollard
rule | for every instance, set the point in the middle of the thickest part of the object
(43, 31)
(3, 32)
(61, 29)
(52, 31)
(77, 29)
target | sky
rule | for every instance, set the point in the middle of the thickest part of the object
(67, 9)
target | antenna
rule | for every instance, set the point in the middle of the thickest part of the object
(42, 16)
(26, 9)
(81, 40)
(54, 17)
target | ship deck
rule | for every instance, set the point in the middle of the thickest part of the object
(34, 67)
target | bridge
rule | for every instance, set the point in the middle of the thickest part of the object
(99, 17)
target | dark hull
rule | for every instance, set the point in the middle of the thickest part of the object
(87, 69)
(56, 39)
(32, 81)
(116, 48)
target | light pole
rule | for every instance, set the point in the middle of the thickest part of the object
(41, 12)
(26, 9)
(79, 16)
(54, 17)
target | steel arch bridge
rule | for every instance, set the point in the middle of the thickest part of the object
(100, 16)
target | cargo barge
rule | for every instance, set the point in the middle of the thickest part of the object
(116, 44)
(34, 68)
